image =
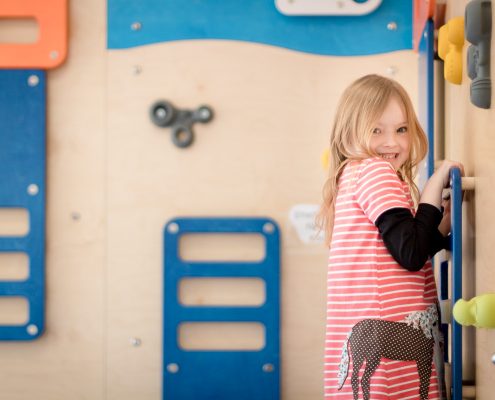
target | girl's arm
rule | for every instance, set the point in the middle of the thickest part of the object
(411, 240)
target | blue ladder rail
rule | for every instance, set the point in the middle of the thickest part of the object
(221, 375)
(456, 279)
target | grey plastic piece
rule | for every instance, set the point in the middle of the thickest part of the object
(164, 114)
(478, 28)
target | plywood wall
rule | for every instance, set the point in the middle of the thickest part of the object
(114, 180)
(469, 138)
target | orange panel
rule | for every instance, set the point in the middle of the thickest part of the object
(423, 10)
(51, 48)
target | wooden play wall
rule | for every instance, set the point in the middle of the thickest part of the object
(469, 138)
(114, 180)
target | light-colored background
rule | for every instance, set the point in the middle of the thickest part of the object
(469, 138)
(114, 180)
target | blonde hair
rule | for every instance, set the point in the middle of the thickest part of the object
(360, 106)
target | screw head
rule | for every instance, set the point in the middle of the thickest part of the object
(32, 329)
(136, 26)
(161, 112)
(268, 367)
(392, 26)
(33, 80)
(205, 113)
(33, 189)
(173, 368)
(173, 227)
(75, 215)
(268, 228)
(392, 70)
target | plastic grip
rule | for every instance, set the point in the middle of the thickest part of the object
(450, 43)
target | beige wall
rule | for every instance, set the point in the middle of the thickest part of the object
(114, 180)
(469, 138)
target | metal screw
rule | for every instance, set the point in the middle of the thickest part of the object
(161, 112)
(136, 26)
(205, 113)
(54, 54)
(392, 26)
(33, 80)
(75, 216)
(136, 342)
(137, 69)
(268, 228)
(493, 358)
(33, 189)
(173, 228)
(425, 35)
(268, 367)
(392, 70)
(32, 329)
(173, 368)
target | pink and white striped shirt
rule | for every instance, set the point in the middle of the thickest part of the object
(365, 282)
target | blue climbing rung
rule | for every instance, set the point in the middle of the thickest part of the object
(218, 374)
(22, 177)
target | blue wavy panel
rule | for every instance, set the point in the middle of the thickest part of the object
(134, 23)
(22, 177)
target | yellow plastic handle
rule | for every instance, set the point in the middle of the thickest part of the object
(479, 311)
(450, 43)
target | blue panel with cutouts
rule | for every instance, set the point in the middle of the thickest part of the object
(221, 375)
(22, 156)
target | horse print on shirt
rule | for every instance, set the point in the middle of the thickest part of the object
(415, 339)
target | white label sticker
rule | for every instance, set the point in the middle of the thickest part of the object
(302, 217)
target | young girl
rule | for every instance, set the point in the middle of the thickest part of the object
(382, 336)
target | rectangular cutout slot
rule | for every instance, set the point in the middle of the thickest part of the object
(222, 336)
(19, 30)
(14, 266)
(222, 291)
(14, 310)
(14, 221)
(222, 247)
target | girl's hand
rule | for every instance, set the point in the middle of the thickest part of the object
(443, 172)
(432, 193)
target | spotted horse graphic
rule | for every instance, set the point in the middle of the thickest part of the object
(416, 339)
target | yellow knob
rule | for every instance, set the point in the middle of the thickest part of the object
(450, 43)
(325, 159)
(479, 311)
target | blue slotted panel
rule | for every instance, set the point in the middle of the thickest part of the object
(221, 375)
(22, 157)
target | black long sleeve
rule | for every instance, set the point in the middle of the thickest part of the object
(411, 240)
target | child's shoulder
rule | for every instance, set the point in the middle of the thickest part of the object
(372, 163)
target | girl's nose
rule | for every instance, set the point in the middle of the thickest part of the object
(390, 139)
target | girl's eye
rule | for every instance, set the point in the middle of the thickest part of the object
(376, 131)
(402, 129)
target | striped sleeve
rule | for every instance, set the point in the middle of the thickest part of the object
(379, 189)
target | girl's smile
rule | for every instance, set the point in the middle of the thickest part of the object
(391, 139)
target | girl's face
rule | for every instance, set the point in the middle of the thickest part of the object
(391, 139)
